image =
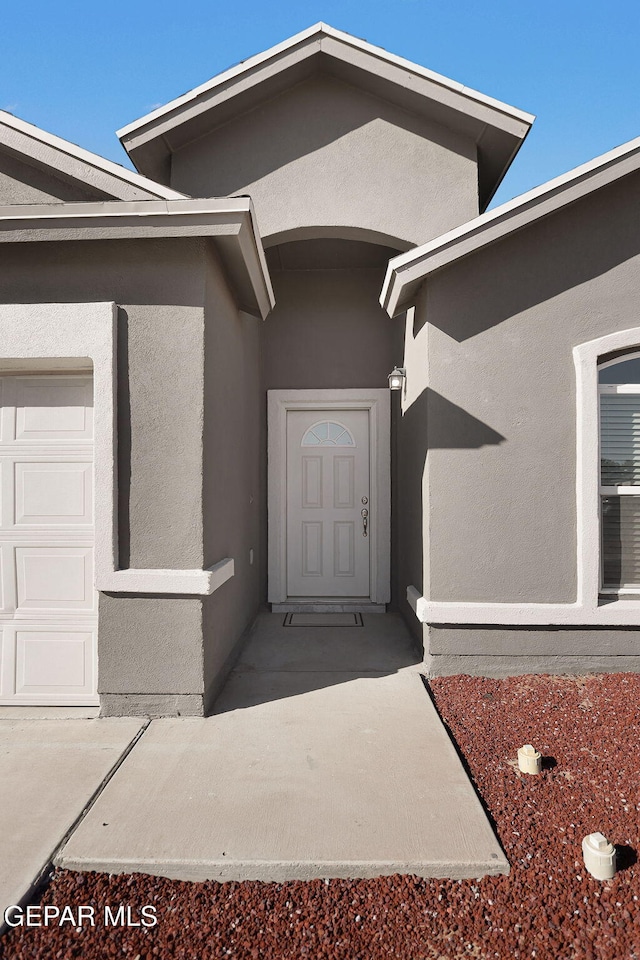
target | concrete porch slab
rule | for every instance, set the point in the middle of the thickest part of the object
(50, 770)
(303, 773)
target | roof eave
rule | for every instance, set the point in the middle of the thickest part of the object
(230, 223)
(148, 140)
(406, 272)
(75, 164)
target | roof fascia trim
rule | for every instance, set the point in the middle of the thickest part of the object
(174, 209)
(62, 156)
(317, 32)
(498, 105)
(409, 269)
(245, 66)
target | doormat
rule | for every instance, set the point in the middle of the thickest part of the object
(323, 620)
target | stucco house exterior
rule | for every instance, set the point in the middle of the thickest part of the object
(195, 415)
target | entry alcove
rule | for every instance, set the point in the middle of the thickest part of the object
(327, 331)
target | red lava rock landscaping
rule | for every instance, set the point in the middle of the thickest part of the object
(588, 729)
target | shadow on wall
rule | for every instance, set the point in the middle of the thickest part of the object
(449, 427)
(302, 121)
(558, 254)
(431, 423)
(22, 183)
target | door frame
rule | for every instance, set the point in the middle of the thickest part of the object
(377, 402)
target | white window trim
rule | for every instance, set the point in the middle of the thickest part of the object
(377, 402)
(586, 611)
(588, 487)
(60, 331)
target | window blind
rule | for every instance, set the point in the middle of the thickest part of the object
(620, 467)
(620, 440)
(621, 541)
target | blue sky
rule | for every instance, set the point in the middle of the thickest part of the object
(82, 70)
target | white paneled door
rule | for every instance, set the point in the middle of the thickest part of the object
(48, 604)
(328, 503)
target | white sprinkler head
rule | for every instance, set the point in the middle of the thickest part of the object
(599, 856)
(529, 759)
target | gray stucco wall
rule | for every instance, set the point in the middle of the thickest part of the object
(149, 648)
(160, 287)
(327, 330)
(22, 183)
(511, 651)
(234, 413)
(409, 438)
(325, 156)
(491, 386)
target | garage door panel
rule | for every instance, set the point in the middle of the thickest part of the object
(48, 493)
(7, 492)
(7, 580)
(53, 408)
(54, 578)
(7, 664)
(53, 662)
(48, 603)
(7, 414)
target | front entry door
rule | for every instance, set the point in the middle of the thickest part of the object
(328, 503)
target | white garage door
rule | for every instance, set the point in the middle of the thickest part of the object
(48, 604)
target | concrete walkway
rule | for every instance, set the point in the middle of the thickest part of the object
(50, 770)
(325, 758)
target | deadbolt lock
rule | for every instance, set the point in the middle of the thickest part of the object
(365, 500)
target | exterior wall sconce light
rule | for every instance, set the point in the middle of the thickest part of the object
(396, 378)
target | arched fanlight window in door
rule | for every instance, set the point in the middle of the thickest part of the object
(327, 433)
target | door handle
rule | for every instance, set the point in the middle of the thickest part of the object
(365, 520)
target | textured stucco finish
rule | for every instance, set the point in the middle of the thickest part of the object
(493, 399)
(409, 438)
(149, 645)
(22, 183)
(159, 286)
(166, 398)
(473, 641)
(516, 666)
(510, 651)
(233, 457)
(314, 157)
(151, 705)
(327, 330)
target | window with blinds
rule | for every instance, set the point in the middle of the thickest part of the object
(619, 389)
